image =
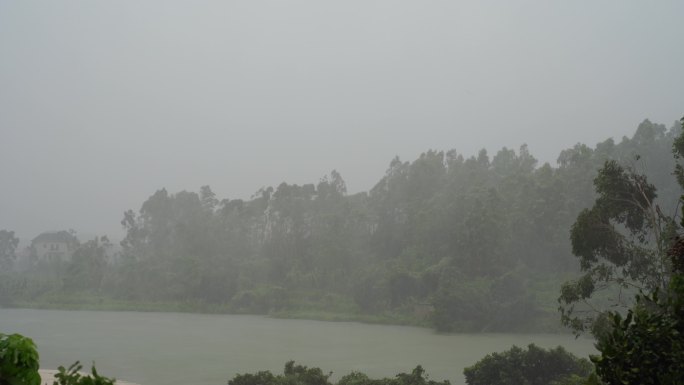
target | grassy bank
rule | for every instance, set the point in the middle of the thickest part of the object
(538, 313)
(299, 310)
(546, 322)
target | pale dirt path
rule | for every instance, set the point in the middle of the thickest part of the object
(47, 376)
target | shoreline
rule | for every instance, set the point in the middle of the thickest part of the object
(312, 315)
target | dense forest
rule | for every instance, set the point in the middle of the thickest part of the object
(479, 243)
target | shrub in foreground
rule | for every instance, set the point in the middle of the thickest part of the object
(19, 364)
(72, 376)
(302, 375)
(647, 345)
(531, 366)
(18, 360)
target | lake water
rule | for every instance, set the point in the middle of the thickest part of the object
(201, 349)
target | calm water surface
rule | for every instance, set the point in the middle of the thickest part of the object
(200, 349)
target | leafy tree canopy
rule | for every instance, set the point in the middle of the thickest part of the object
(621, 242)
(8, 246)
(531, 366)
(302, 375)
(646, 346)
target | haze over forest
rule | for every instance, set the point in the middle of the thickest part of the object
(456, 186)
(103, 103)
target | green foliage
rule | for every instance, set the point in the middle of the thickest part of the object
(301, 375)
(259, 378)
(503, 303)
(620, 242)
(292, 375)
(19, 364)
(72, 376)
(261, 300)
(8, 246)
(18, 360)
(416, 377)
(434, 239)
(531, 366)
(678, 151)
(354, 378)
(647, 345)
(86, 269)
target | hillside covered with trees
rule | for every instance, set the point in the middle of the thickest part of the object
(479, 243)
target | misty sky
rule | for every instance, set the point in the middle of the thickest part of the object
(104, 102)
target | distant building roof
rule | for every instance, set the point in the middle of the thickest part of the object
(55, 236)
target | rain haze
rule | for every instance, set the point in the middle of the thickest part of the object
(342, 192)
(103, 103)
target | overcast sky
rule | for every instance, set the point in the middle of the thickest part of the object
(104, 102)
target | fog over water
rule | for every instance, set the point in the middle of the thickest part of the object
(102, 103)
(178, 349)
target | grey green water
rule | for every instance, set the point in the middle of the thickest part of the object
(200, 349)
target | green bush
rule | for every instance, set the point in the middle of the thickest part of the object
(647, 345)
(534, 366)
(19, 364)
(293, 374)
(18, 360)
(301, 375)
(72, 376)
